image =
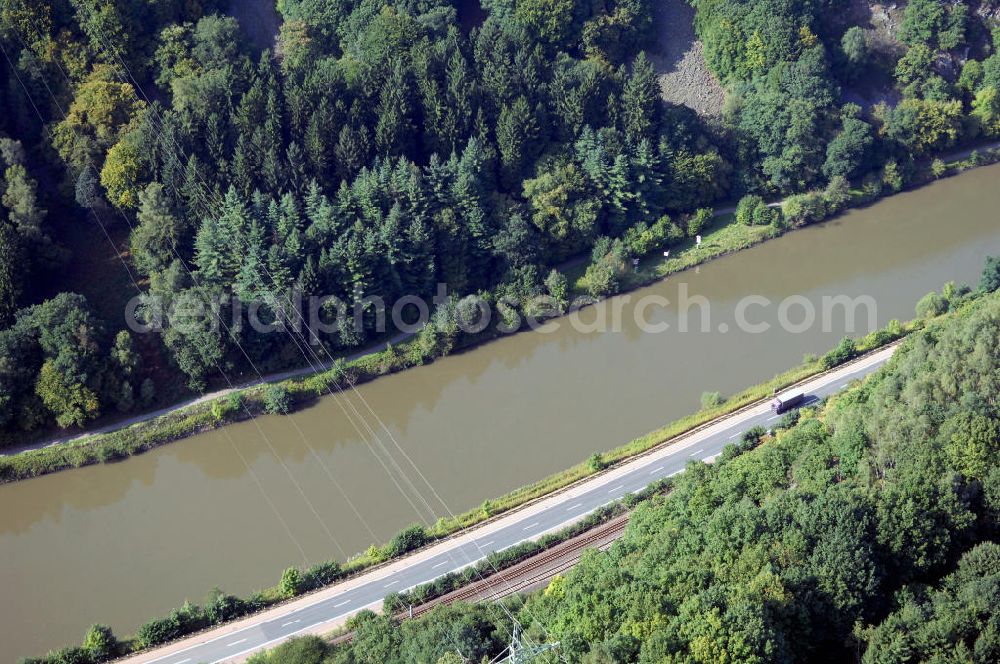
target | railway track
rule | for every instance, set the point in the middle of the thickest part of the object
(525, 574)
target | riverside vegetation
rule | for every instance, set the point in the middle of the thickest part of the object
(933, 312)
(381, 148)
(863, 530)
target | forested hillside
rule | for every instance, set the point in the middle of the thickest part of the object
(381, 148)
(865, 531)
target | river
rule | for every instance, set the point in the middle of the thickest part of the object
(124, 542)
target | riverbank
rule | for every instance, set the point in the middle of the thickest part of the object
(301, 387)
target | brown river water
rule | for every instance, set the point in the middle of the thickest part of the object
(121, 543)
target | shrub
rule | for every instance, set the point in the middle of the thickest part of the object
(596, 462)
(558, 287)
(291, 582)
(837, 193)
(321, 574)
(892, 176)
(932, 304)
(751, 437)
(235, 401)
(298, 650)
(276, 399)
(601, 279)
(710, 400)
(100, 643)
(406, 540)
(844, 351)
(938, 168)
(393, 603)
(989, 281)
(157, 631)
(221, 607)
(699, 221)
(789, 419)
(746, 208)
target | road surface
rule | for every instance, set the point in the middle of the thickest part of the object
(322, 611)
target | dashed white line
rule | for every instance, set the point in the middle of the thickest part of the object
(710, 458)
(235, 643)
(342, 603)
(290, 622)
(529, 527)
(443, 562)
(735, 434)
(676, 472)
(486, 543)
(573, 507)
(617, 488)
(655, 470)
(391, 583)
(183, 660)
(840, 387)
(773, 417)
(696, 452)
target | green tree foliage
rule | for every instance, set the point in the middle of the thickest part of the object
(788, 115)
(100, 643)
(277, 400)
(52, 365)
(641, 102)
(924, 125)
(955, 619)
(989, 281)
(752, 210)
(103, 109)
(854, 45)
(933, 23)
(407, 540)
(848, 153)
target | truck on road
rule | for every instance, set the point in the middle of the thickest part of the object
(787, 400)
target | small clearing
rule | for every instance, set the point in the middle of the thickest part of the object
(684, 76)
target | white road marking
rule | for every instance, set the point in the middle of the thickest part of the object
(735, 434)
(773, 417)
(347, 601)
(655, 470)
(711, 458)
(620, 486)
(443, 562)
(697, 452)
(235, 643)
(183, 660)
(840, 387)
(676, 472)
(391, 583)
(573, 507)
(290, 622)
(529, 527)
(486, 543)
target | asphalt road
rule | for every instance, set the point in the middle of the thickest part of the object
(451, 555)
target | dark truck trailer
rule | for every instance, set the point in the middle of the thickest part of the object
(787, 401)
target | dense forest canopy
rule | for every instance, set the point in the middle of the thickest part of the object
(383, 148)
(864, 531)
